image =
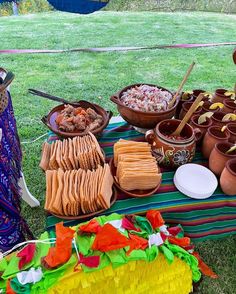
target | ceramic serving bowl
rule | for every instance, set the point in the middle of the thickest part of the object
(168, 151)
(228, 178)
(141, 119)
(49, 120)
(219, 157)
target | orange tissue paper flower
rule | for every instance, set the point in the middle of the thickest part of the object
(91, 227)
(108, 238)
(155, 218)
(182, 242)
(62, 251)
(136, 243)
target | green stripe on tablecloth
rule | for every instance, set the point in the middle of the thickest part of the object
(201, 219)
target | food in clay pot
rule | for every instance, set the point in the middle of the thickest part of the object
(146, 98)
(172, 151)
(72, 119)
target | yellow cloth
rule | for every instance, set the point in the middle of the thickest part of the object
(157, 277)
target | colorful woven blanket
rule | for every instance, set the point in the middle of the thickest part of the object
(205, 219)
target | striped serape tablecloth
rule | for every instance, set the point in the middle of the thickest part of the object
(211, 218)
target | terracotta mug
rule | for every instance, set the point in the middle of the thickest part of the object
(219, 157)
(219, 96)
(228, 178)
(231, 130)
(185, 109)
(202, 127)
(196, 92)
(168, 151)
(229, 106)
(182, 100)
(213, 135)
(217, 119)
(206, 107)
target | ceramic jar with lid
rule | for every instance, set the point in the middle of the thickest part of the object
(219, 157)
(168, 150)
(213, 135)
(228, 178)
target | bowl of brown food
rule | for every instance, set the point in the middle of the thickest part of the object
(77, 119)
(144, 105)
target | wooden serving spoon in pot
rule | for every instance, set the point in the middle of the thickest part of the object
(188, 115)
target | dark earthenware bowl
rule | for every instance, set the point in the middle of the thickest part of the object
(49, 120)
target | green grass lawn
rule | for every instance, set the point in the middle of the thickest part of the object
(95, 76)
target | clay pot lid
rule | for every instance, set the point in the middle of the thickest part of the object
(223, 147)
(231, 166)
(195, 181)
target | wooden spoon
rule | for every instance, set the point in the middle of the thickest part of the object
(172, 102)
(188, 115)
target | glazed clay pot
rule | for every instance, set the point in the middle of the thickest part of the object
(231, 130)
(185, 109)
(228, 178)
(217, 119)
(203, 127)
(170, 152)
(206, 107)
(213, 136)
(229, 106)
(219, 96)
(219, 157)
(181, 102)
(196, 92)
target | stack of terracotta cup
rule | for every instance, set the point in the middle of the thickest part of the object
(215, 147)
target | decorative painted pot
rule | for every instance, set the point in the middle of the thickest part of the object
(213, 135)
(219, 96)
(185, 108)
(219, 157)
(202, 127)
(229, 106)
(231, 130)
(228, 178)
(168, 151)
(206, 107)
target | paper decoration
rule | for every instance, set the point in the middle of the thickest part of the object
(61, 253)
(31, 276)
(155, 239)
(108, 238)
(26, 255)
(91, 227)
(155, 219)
(128, 225)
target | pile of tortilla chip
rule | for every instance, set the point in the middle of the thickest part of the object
(136, 169)
(79, 152)
(78, 192)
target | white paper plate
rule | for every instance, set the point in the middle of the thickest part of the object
(195, 181)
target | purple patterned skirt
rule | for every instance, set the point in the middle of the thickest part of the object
(13, 228)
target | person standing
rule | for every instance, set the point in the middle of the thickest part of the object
(13, 228)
